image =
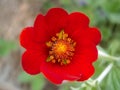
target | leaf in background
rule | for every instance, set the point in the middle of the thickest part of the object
(108, 84)
(68, 85)
(106, 33)
(99, 67)
(38, 82)
(6, 47)
(114, 47)
(114, 17)
(97, 87)
(48, 4)
(72, 88)
(24, 77)
(102, 52)
(116, 80)
(112, 81)
(65, 2)
(113, 6)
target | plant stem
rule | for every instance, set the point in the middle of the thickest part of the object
(104, 73)
(104, 55)
(107, 56)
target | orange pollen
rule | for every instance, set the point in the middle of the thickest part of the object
(61, 49)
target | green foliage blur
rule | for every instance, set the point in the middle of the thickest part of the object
(104, 14)
(6, 47)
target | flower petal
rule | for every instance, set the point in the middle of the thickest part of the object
(86, 37)
(86, 50)
(89, 54)
(40, 29)
(89, 34)
(87, 72)
(80, 37)
(56, 73)
(27, 39)
(56, 19)
(31, 61)
(94, 34)
(77, 20)
(50, 74)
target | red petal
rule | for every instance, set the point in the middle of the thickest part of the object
(40, 29)
(50, 74)
(56, 73)
(80, 37)
(87, 72)
(77, 20)
(88, 35)
(88, 54)
(31, 61)
(27, 39)
(56, 19)
(94, 34)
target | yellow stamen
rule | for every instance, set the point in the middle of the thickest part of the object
(49, 44)
(53, 61)
(68, 61)
(60, 35)
(61, 48)
(54, 39)
(51, 57)
(59, 60)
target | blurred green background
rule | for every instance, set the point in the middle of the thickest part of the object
(17, 14)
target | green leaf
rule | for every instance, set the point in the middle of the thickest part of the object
(65, 2)
(6, 47)
(114, 46)
(68, 85)
(114, 17)
(38, 82)
(113, 6)
(112, 81)
(25, 78)
(116, 81)
(106, 33)
(109, 85)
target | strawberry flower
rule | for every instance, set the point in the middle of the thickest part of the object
(62, 46)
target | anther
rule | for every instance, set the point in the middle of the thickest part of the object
(61, 49)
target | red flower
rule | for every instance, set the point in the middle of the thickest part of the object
(62, 46)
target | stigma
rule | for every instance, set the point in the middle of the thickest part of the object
(61, 49)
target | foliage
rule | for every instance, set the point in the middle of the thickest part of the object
(6, 47)
(37, 82)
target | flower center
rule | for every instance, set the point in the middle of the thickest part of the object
(61, 49)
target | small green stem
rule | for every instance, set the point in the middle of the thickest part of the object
(104, 73)
(107, 56)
